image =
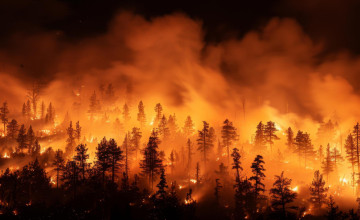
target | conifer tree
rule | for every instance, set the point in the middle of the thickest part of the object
(94, 106)
(171, 124)
(70, 140)
(333, 210)
(102, 158)
(35, 151)
(217, 189)
(189, 154)
(135, 140)
(328, 164)
(162, 185)
(205, 141)
(12, 129)
(336, 157)
(318, 190)
(50, 115)
(229, 135)
(70, 177)
(78, 131)
(351, 155)
(81, 157)
(242, 198)
(115, 157)
(126, 113)
(281, 194)
(21, 139)
(151, 163)
(28, 109)
(33, 95)
(172, 161)
(308, 148)
(158, 113)
(126, 149)
(42, 113)
(141, 117)
(4, 111)
(59, 164)
(236, 162)
(163, 128)
(188, 127)
(197, 174)
(30, 139)
(260, 139)
(269, 133)
(290, 139)
(257, 168)
(356, 135)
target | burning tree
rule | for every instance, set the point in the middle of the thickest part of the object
(135, 140)
(33, 95)
(59, 164)
(229, 135)
(70, 140)
(12, 129)
(188, 127)
(328, 164)
(290, 139)
(21, 139)
(351, 155)
(141, 117)
(4, 111)
(260, 139)
(81, 157)
(269, 133)
(158, 111)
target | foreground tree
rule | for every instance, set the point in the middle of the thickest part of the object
(58, 164)
(258, 169)
(114, 155)
(205, 141)
(81, 157)
(152, 163)
(12, 129)
(260, 139)
(318, 190)
(228, 135)
(281, 194)
(236, 162)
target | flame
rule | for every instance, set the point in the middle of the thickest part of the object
(193, 180)
(295, 189)
(6, 155)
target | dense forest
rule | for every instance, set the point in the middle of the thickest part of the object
(104, 161)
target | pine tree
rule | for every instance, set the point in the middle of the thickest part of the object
(50, 115)
(188, 127)
(356, 134)
(333, 210)
(102, 158)
(351, 156)
(236, 162)
(59, 164)
(28, 109)
(152, 163)
(258, 175)
(217, 189)
(21, 139)
(328, 164)
(126, 113)
(163, 128)
(281, 194)
(158, 111)
(81, 157)
(260, 139)
(242, 198)
(70, 177)
(308, 148)
(126, 149)
(33, 95)
(229, 135)
(12, 129)
(321, 153)
(30, 139)
(141, 117)
(115, 157)
(70, 140)
(94, 106)
(4, 111)
(189, 154)
(135, 140)
(205, 141)
(172, 161)
(290, 139)
(269, 133)
(162, 185)
(318, 190)
(78, 131)
(336, 157)
(197, 174)
(35, 151)
(23, 111)
(42, 114)
(171, 123)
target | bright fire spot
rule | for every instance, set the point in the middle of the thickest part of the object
(193, 180)
(6, 155)
(42, 150)
(180, 186)
(152, 123)
(278, 127)
(77, 94)
(217, 159)
(45, 131)
(52, 181)
(343, 180)
(295, 189)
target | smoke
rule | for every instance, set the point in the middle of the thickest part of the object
(165, 59)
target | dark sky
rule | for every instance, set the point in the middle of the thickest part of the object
(331, 21)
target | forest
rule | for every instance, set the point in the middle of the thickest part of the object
(137, 161)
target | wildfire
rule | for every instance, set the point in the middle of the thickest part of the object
(295, 189)
(193, 180)
(6, 155)
(52, 181)
(45, 131)
(343, 180)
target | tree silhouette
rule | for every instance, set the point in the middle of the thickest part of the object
(217, 190)
(103, 161)
(205, 141)
(257, 168)
(328, 164)
(336, 157)
(30, 139)
(290, 139)
(172, 161)
(151, 164)
(21, 139)
(59, 164)
(188, 128)
(162, 185)
(33, 95)
(126, 147)
(78, 131)
(141, 117)
(260, 139)
(189, 154)
(351, 156)
(356, 134)
(229, 135)
(126, 113)
(115, 157)
(242, 198)
(71, 139)
(135, 140)
(81, 157)
(163, 128)
(42, 113)
(269, 133)
(318, 190)
(333, 210)
(158, 113)
(197, 174)
(4, 111)
(281, 194)
(94, 106)
(35, 150)
(50, 115)
(12, 129)
(236, 162)
(70, 177)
